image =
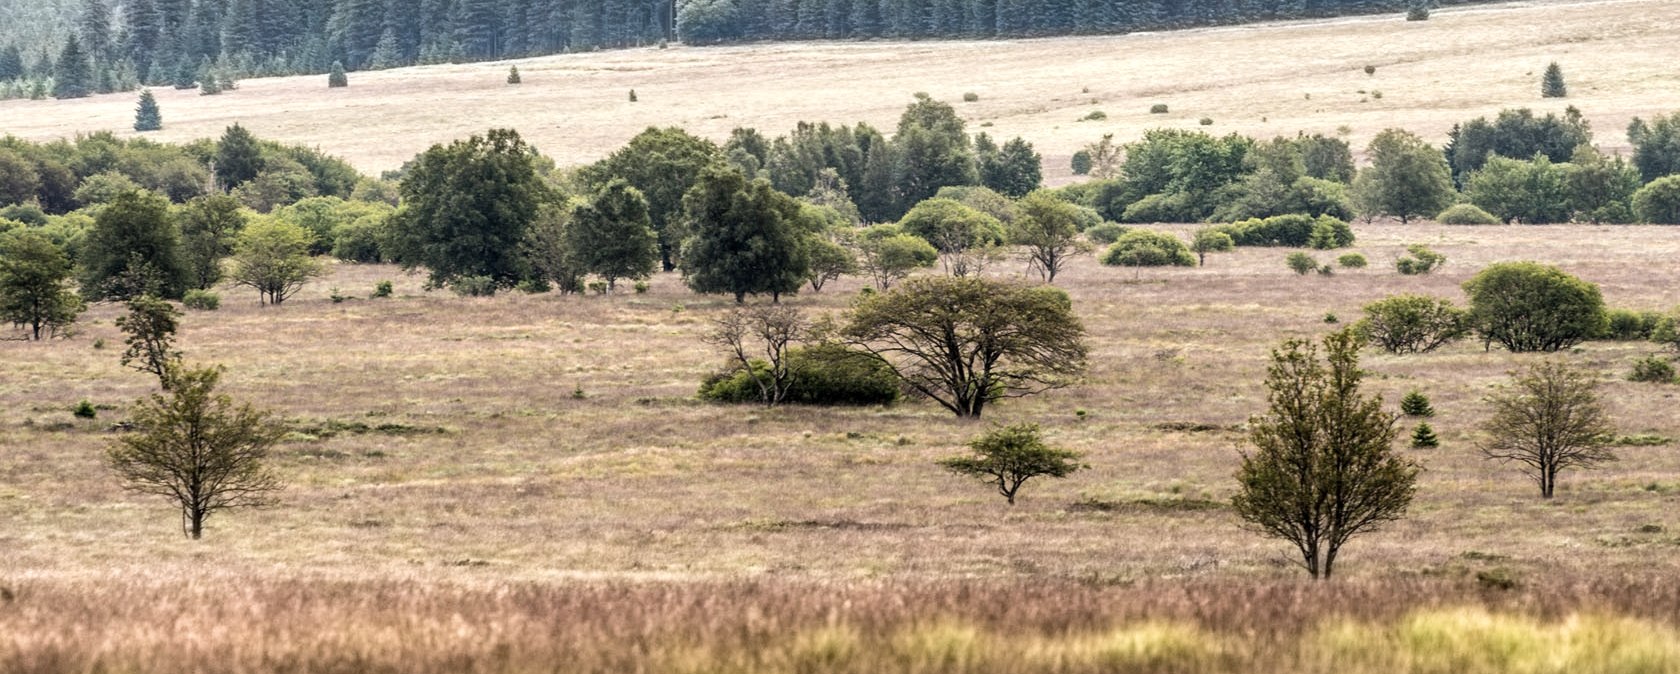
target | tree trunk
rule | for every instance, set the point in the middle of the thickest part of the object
(197, 531)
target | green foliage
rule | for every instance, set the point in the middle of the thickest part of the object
(1551, 84)
(1329, 233)
(967, 342)
(1014, 170)
(664, 164)
(34, 292)
(1423, 437)
(1210, 241)
(272, 257)
(1094, 116)
(1656, 146)
(149, 331)
(1532, 192)
(1631, 326)
(1413, 323)
(337, 79)
(1106, 233)
(1185, 171)
(198, 449)
(1158, 109)
(208, 227)
(1352, 261)
(73, 73)
(486, 185)
(954, 229)
(748, 238)
(1466, 214)
(480, 286)
(1659, 202)
(133, 249)
(612, 236)
(201, 300)
(1548, 420)
(381, 290)
(1206, 121)
(889, 256)
(1323, 469)
(1408, 178)
(1601, 188)
(1082, 163)
(1293, 231)
(1009, 456)
(1417, 12)
(1416, 404)
(363, 239)
(825, 374)
(1653, 369)
(970, 97)
(1527, 307)
(85, 410)
(238, 158)
(1419, 261)
(1048, 229)
(146, 114)
(1516, 134)
(932, 151)
(513, 75)
(1148, 248)
(1301, 263)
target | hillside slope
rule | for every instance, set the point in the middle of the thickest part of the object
(1261, 80)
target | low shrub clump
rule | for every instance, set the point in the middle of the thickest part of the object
(1466, 214)
(1292, 231)
(201, 300)
(1420, 261)
(1301, 263)
(825, 374)
(1631, 326)
(1653, 370)
(1352, 261)
(1413, 323)
(1148, 248)
(1158, 109)
(1106, 233)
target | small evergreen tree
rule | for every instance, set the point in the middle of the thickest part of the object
(73, 74)
(513, 75)
(1416, 404)
(1551, 85)
(632, 95)
(337, 79)
(186, 74)
(1424, 437)
(147, 117)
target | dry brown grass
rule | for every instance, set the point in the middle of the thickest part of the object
(1264, 80)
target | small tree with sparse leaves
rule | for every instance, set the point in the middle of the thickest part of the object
(1548, 420)
(149, 331)
(1007, 457)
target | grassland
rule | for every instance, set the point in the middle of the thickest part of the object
(1263, 80)
(451, 501)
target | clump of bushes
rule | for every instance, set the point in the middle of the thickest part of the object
(1420, 261)
(1654, 370)
(1148, 248)
(1094, 116)
(1301, 263)
(1631, 326)
(1658, 202)
(1413, 323)
(1106, 233)
(1292, 231)
(1466, 214)
(1352, 261)
(1329, 234)
(971, 97)
(824, 374)
(474, 286)
(201, 300)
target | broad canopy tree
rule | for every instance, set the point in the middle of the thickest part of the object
(612, 236)
(33, 285)
(664, 164)
(748, 238)
(1549, 420)
(467, 206)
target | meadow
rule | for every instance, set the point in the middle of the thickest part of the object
(526, 483)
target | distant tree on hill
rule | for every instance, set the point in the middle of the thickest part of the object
(147, 117)
(1551, 84)
(337, 78)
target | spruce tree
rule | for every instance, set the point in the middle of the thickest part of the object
(73, 76)
(186, 74)
(238, 158)
(513, 75)
(1552, 86)
(146, 116)
(337, 79)
(1424, 437)
(95, 29)
(11, 63)
(1415, 404)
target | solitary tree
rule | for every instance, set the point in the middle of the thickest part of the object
(1008, 457)
(1549, 420)
(758, 339)
(1551, 84)
(1323, 468)
(513, 75)
(337, 79)
(1529, 307)
(1049, 230)
(272, 257)
(891, 257)
(149, 331)
(612, 237)
(968, 342)
(748, 238)
(1210, 241)
(208, 227)
(1413, 323)
(198, 449)
(33, 292)
(146, 114)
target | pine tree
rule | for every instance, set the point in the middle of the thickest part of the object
(1552, 86)
(1424, 437)
(238, 158)
(513, 75)
(146, 116)
(337, 78)
(1415, 404)
(142, 30)
(632, 95)
(95, 29)
(11, 63)
(73, 75)
(388, 54)
(186, 74)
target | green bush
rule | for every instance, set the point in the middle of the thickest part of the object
(1329, 233)
(1417, 13)
(1352, 261)
(202, 300)
(1301, 263)
(1421, 261)
(1658, 203)
(1206, 121)
(476, 286)
(971, 97)
(1413, 323)
(1148, 248)
(826, 374)
(1094, 116)
(1529, 307)
(1667, 332)
(1416, 404)
(1631, 326)
(1158, 109)
(382, 289)
(1160, 208)
(1106, 233)
(1653, 370)
(361, 240)
(1081, 163)
(85, 410)
(1466, 214)
(1291, 231)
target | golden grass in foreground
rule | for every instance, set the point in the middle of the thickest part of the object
(215, 624)
(1262, 80)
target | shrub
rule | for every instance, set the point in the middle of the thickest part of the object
(1206, 121)
(1667, 332)
(1413, 323)
(476, 286)
(337, 78)
(825, 374)
(382, 289)
(1370, 70)
(1417, 13)
(1424, 437)
(1293, 231)
(85, 410)
(1352, 261)
(1658, 203)
(1623, 325)
(1301, 263)
(1148, 248)
(632, 95)
(1082, 163)
(1159, 208)
(361, 240)
(1416, 404)
(202, 300)
(1466, 214)
(1421, 261)
(1094, 116)
(1652, 369)
(1329, 233)
(971, 97)
(1158, 109)
(513, 75)
(1526, 307)
(1106, 233)
(641, 287)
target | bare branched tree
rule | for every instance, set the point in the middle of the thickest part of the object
(1549, 420)
(758, 338)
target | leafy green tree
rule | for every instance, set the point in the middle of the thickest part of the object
(1015, 170)
(1532, 192)
(146, 114)
(19, 179)
(547, 248)
(238, 158)
(149, 333)
(829, 260)
(1048, 228)
(1551, 84)
(748, 238)
(1600, 188)
(889, 256)
(272, 257)
(199, 449)
(933, 151)
(73, 74)
(208, 226)
(969, 342)
(1517, 134)
(1210, 241)
(612, 236)
(1659, 202)
(664, 164)
(1407, 178)
(1419, 261)
(1656, 146)
(1009, 456)
(133, 249)
(1527, 307)
(1148, 248)
(1412, 323)
(955, 230)
(466, 208)
(1301, 263)
(1323, 469)
(33, 292)
(1548, 420)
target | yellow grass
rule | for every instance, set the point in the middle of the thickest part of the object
(1273, 79)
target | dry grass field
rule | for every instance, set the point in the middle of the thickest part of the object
(453, 507)
(1263, 80)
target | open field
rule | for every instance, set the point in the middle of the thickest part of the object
(442, 467)
(1260, 80)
